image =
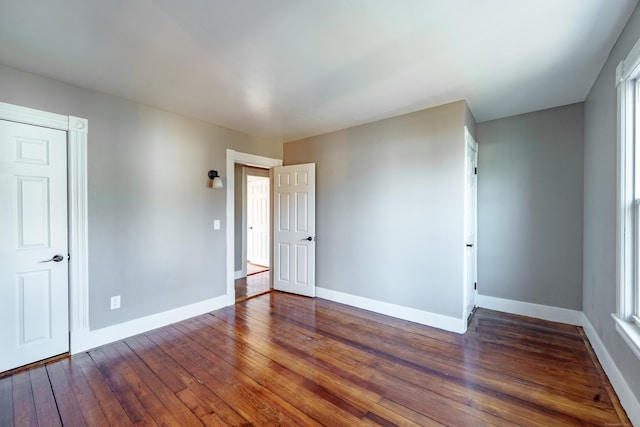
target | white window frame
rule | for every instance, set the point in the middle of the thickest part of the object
(628, 201)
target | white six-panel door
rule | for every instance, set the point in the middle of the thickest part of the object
(34, 322)
(294, 226)
(258, 220)
(470, 226)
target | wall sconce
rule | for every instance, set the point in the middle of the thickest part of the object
(214, 180)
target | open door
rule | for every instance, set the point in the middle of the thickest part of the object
(294, 223)
(34, 284)
(470, 226)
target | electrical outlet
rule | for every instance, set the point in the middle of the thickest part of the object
(115, 302)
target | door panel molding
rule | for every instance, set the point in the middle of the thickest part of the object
(77, 131)
(294, 229)
(470, 224)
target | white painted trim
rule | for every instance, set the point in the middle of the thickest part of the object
(427, 318)
(77, 133)
(630, 333)
(244, 220)
(544, 312)
(625, 394)
(629, 67)
(234, 157)
(16, 113)
(627, 270)
(87, 340)
(624, 198)
(78, 229)
(239, 274)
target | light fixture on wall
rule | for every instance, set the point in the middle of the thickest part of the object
(214, 180)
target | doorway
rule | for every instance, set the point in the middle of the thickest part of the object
(256, 219)
(254, 277)
(236, 225)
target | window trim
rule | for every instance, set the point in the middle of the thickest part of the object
(628, 88)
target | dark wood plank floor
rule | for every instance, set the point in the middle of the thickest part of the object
(284, 360)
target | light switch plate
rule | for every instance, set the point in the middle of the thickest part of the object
(216, 224)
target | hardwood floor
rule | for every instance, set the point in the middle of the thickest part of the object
(279, 359)
(254, 268)
(250, 286)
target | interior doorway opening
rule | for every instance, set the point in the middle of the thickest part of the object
(253, 232)
(257, 222)
(234, 212)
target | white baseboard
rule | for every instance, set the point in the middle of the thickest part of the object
(627, 399)
(427, 318)
(86, 340)
(239, 274)
(544, 312)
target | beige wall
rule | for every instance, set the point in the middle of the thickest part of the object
(390, 208)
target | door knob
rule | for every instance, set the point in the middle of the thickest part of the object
(311, 239)
(56, 258)
(469, 245)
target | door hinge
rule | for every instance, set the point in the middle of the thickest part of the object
(475, 286)
(475, 171)
(68, 257)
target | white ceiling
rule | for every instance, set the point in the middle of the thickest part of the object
(287, 69)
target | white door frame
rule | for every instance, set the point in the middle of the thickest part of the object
(233, 158)
(77, 129)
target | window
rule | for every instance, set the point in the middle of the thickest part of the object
(627, 316)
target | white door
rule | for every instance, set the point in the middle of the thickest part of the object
(34, 314)
(258, 220)
(294, 223)
(470, 214)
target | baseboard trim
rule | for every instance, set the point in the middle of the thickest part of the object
(86, 340)
(238, 275)
(427, 318)
(544, 312)
(622, 389)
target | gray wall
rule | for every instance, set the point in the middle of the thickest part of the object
(530, 198)
(390, 208)
(239, 196)
(151, 237)
(600, 207)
